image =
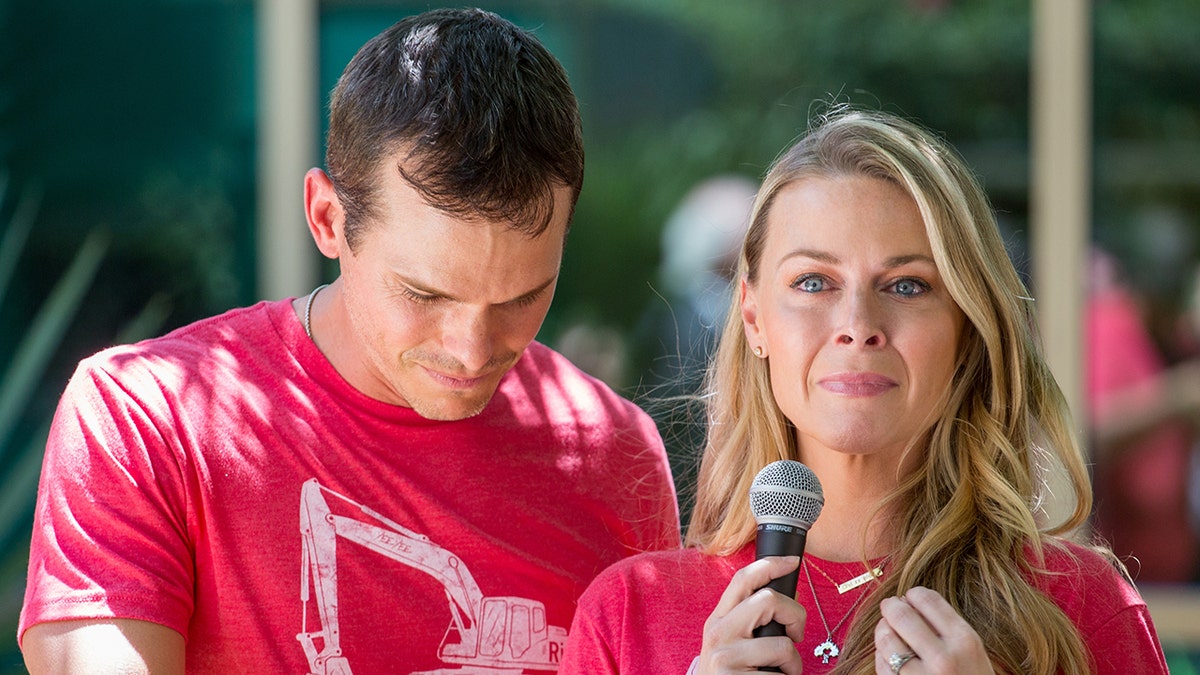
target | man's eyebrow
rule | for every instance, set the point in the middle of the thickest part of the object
(533, 293)
(433, 292)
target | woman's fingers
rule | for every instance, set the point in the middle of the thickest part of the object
(752, 577)
(889, 646)
(748, 656)
(729, 645)
(938, 613)
(746, 605)
(924, 624)
(909, 626)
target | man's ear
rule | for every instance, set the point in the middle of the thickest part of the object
(323, 210)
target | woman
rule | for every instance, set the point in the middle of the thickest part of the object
(880, 335)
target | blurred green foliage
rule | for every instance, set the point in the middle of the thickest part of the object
(23, 425)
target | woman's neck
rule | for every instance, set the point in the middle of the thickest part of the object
(854, 487)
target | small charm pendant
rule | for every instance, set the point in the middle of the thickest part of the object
(826, 650)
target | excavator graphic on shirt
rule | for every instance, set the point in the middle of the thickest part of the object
(486, 635)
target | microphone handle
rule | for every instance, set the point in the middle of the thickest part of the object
(775, 539)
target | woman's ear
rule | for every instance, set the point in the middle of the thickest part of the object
(324, 212)
(749, 305)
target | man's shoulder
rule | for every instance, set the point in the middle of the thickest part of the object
(194, 346)
(546, 362)
(548, 375)
(232, 324)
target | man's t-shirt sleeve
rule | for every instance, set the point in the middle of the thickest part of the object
(110, 537)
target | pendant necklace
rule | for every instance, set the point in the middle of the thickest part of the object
(857, 581)
(829, 649)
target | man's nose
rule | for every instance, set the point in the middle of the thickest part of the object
(467, 338)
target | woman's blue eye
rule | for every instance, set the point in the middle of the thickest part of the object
(910, 287)
(809, 284)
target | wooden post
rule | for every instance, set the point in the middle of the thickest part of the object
(1060, 213)
(288, 105)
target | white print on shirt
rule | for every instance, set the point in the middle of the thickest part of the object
(486, 636)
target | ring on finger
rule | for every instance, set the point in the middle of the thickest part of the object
(897, 660)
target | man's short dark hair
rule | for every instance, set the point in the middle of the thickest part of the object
(485, 112)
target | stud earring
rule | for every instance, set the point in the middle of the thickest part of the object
(758, 351)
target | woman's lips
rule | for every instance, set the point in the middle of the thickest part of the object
(857, 384)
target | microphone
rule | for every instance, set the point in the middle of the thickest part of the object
(786, 499)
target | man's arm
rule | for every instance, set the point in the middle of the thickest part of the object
(111, 646)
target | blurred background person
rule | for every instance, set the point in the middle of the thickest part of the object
(699, 244)
(1144, 476)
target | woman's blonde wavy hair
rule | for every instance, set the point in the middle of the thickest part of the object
(968, 521)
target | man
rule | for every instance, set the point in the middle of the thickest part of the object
(387, 475)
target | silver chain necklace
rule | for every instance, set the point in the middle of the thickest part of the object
(308, 310)
(829, 649)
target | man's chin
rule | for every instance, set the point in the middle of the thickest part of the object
(450, 408)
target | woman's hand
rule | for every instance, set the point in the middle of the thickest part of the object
(921, 634)
(729, 643)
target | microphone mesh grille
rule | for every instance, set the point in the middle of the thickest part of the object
(786, 489)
